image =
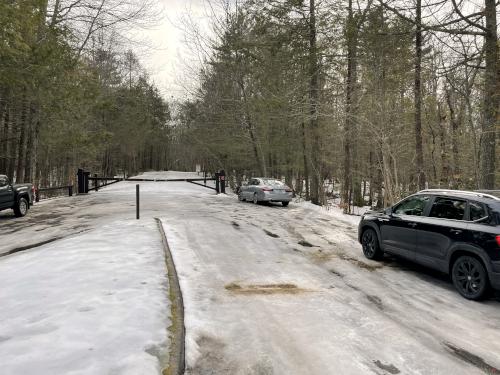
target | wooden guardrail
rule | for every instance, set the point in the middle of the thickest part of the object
(38, 191)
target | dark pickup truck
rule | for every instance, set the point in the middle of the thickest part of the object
(17, 197)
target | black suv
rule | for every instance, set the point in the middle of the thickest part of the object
(456, 232)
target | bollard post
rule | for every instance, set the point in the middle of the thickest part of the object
(96, 184)
(205, 177)
(222, 175)
(37, 194)
(70, 190)
(137, 201)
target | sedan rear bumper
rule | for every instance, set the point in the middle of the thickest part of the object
(276, 200)
(277, 197)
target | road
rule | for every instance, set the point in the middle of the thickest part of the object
(273, 290)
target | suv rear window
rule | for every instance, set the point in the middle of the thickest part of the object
(476, 211)
(494, 213)
(448, 208)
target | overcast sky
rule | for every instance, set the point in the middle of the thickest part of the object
(166, 52)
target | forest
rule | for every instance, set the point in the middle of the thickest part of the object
(379, 98)
(71, 96)
(374, 99)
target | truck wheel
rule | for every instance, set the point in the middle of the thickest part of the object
(21, 208)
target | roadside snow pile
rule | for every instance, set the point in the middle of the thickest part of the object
(95, 303)
(336, 212)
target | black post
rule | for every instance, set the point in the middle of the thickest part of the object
(222, 175)
(217, 185)
(37, 194)
(137, 201)
(86, 181)
(205, 177)
(70, 190)
(96, 184)
(81, 183)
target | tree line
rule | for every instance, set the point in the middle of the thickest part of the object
(71, 96)
(379, 98)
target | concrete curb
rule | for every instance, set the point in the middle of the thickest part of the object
(177, 357)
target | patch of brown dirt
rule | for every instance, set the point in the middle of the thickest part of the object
(359, 263)
(264, 289)
(322, 256)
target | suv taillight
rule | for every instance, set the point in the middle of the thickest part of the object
(498, 240)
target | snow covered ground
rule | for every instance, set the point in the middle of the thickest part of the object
(267, 290)
(94, 298)
(94, 303)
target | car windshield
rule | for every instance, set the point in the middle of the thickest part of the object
(272, 182)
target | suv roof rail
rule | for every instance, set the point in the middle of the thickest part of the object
(464, 192)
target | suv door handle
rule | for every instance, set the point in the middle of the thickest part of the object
(456, 231)
(413, 225)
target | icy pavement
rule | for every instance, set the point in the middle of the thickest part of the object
(270, 290)
(267, 289)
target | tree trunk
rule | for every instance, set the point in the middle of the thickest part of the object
(454, 123)
(316, 183)
(305, 159)
(21, 150)
(29, 144)
(445, 165)
(491, 99)
(420, 175)
(351, 40)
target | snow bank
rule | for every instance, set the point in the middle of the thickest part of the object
(95, 303)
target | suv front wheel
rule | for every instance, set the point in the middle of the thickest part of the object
(371, 247)
(470, 278)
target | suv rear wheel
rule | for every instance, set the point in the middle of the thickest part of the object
(470, 278)
(371, 247)
(21, 207)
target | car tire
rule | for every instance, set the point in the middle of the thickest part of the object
(370, 244)
(255, 200)
(285, 204)
(470, 277)
(21, 207)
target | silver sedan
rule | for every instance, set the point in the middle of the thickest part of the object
(265, 190)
